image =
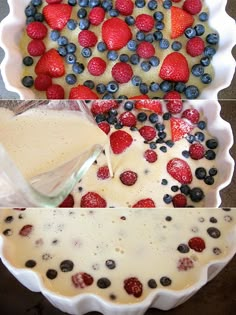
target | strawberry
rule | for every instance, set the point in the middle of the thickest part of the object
(197, 244)
(124, 7)
(195, 46)
(192, 6)
(87, 38)
(145, 50)
(144, 22)
(128, 178)
(185, 264)
(139, 97)
(50, 63)
(150, 156)
(96, 66)
(180, 170)
(82, 280)
(36, 30)
(57, 15)
(42, 82)
(120, 140)
(122, 72)
(133, 286)
(191, 114)
(96, 16)
(92, 200)
(104, 126)
(144, 203)
(55, 92)
(175, 68)
(26, 230)
(174, 104)
(82, 92)
(179, 128)
(127, 119)
(36, 47)
(196, 151)
(152, 105)
(103, 172)
(68, 202)
(180, 20)
(148, 132)
(103, 106)
(115, 33)
(179, 201)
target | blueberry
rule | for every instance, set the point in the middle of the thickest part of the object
(174, 188)
(134, 59)
(140, 36)
(142, 116)
(154, 61)
(132, 45)
(107, 5)
(154, 87)
(176, 46)
(62, 51)
(66, 265)
(39, 17)
(9, 219)
(196, 194)
(145, 66)
(197, 70)
(164, 182)
(158, 16)
(62, 41)
(101, 88)
(158, 35)
(99, 118)
(212, 143)
(152, 284)
(30, 263)
(111, 119)
(94, 3)
(78, 68)
(166, 86)
(124, 58)
(28, 61)
(129, 105)
(112, 87)
(101, 47)
(72, 2)
(209, 51)
(51, 274)
(210, 155)
(200, 29)
(180, 87)
(89, 83)
(185, 189)
(152, 145)
(190, 138)
(152, 5)
(213, 232)
(28, 81)
(103, 283)
(71, 48)
(160, 127)
(162, 135)
(206, 78)
(167, 199)
(159, 25)
(110, 264)
(199, 136)
(71, 78)
(205, 61)
(213, 171)
(136, 80)
(29, 20)
(164, 43)
(84, 24)
(203, 16)
(201, 124)
(191, 92)
(54, 35)
(86, 52)
(200, 172)
(36, 3)
(149, 38)
(71, 24)
(70, 58)
(183, 248)
(167, 4)
(170, 143)
(112, 55)
(30, 10)
(190, 32)
(82, 13)
(153, 118)
(166, 116)
(143, 88)
(209, 180)
(83, 3)
(140, 3)
(113, 13)
(212, 38)
(129, 20)
(185, 154)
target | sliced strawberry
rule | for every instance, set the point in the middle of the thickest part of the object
(152, 105)
(185, 264)
(150, 156)
(55, 92)
(133, 286)
(128, 178)
(120, 140)
(36, 47)
(179, 201)
(179, 128)
(139, 97)
(82, 280)
(96, 16)
(175, 68)
(197, 244)
(148, 132)
(104, 126)
(50, 63)
(144, 203)
(82, 92)
(180, 20)
(124, 7)
(103, 172)
(103, 106)
(42, 82)
(127, 119)
(36, 30)
(92, 200)
(115, 33)
(26, 230)
(68, 202)
(180, 170)
(196, 151)
(191, 114)
(57, 15)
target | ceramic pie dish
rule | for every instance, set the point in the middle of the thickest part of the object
(66, 255)
(13, 25)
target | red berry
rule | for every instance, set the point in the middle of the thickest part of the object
(51, 63)
(92, 200)
(103, 172)
(179, 201)
(133, 286)
(128, 178)
(96, 66)
(57, 15)
(26, 230)
(120, 140)
(68, 202)
(36, 47)
(180, 170)
(42, 82)
(144, 22)
(148, 133)
(174, 104)
(55, 92)
(192, 6)
(104, 126)
(103, 106)
(191, 114)
(179, 128)
(147, 104)
(36, 30)
(185, 264)
(128, 119)
(87, 38)
(150, 156)
(82, 280)
(145, 203)
(82, 92)
(96, 16)
(53, 1)
(122, 72)
(124, 7)
(195, 46)
(196, 151)
(197, 244)
(145, 50)
(180, 20)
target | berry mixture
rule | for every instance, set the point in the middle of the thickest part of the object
(93, 251)
(90, 49)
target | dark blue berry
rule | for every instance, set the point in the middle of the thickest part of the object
(101, 88)
(164, 182)
(70, 58)
(129, 20)
(71, 48)
(213, 171)
(159, 25)
(84, 24)
(83, 3)
(103, 283)
(72, 2)
(101, 46)
(201, 124)
(54, 35)
(210, 155)
(152, 5)
(132, 45)
(176, 46)
(86, 52)
(212, 143)
(154, 61)
(89, 83)
(143, 88)
(190, 32)
(112, 87)
(71, 24)
(62, 41)
(162, 135)
(158, 35)
(166, 86)
(200, 173)
(30, 10)
(206, 78)
(145, 66)
(205, 61)
(112, 55)
(134, 59)
(29, 20)
(152, 145)
(203, 16)
(28, 81)
(62, 51)
(124, 58)
(71, 79)
(28, 61)
(197, 70)
(153, 118)
(200, 29)
(183, 248)
(66, 265)
(142, 117)
(152, 284)
(170, 143)
(163, 149)
(185, 189)
(167, 199)
(149, 38)
(209, 51)
(166, 116)
(99, 118)
(39, 17)
(154, 87)
(158, 15)
(212, 38)
(185, 154)
(140, 36)
(107, 5)
(36, 3)
(190, 138)
(209, 180)
(136, 80)
(109, 96)
(78, 68)
(174, 188)
(196, 194)
(82, 13)
(113, 13)
(140, 3)
(191, 92)
(167, 4)
(213, 232)
(129, 105)
(164, 43)
(199, 136)
(94, 3)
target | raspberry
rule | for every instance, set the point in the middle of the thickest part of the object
(124, 7)
(179, 201)
(128, 178)
(174, 104)
(120, 140)
(104, 126)
(150, 156)
(145, 50)
(133, 286)
(197, 244)
(55, 92)
(96, 16)
(82, 280)
(92, 200)
(128, 119)
(195, 46)
(122, 72)
(144, 22)
(42, 82)
(26, 230)
(185, 264)
(102, 107)
(196, 151)
(191, 114)
(36, 30)
(103, 172)
(36, 47)
(96, 66)
(87, 38)
(145, 203)
(148, 133)
(192, 6)
(68, 202)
